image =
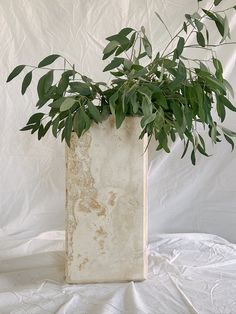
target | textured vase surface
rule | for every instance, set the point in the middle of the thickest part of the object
(106, 204)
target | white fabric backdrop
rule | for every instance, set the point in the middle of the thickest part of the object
(182, 198)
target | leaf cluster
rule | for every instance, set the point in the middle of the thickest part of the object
(171, 93)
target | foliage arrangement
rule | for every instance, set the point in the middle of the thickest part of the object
(171, 93)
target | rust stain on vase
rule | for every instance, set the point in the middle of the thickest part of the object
(112, 198)
(82, 178)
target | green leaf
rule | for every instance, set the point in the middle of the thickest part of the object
(46, 128)
(121, 39)
(55, 126)
(40, 132)
(63, 84)
(67, 104)
(178, 113)
(227, 103)
(189, 19)
(201, 39)
(147, 46)
(202, 150)
(111, 47)
(217, 19)
(230, 141)
(217, 65)
(105, 112)
(48, 60)
(185, 27)
(226, 29)
(134, 103)
(112, 102)
(15, 72)
(180, 46)
(216, 2)
(193, 158)
(27, 127)
(45, 83)
(147, 120)
(68, 129)
(57, 103)
(86, 118)
(35, 118)
(229, 87)
(199, 25)
(228, 132)
(78, 123)
(185, 149)
(114, 64)
(125, 31)
(220, 108)
(213, 133)
(120, 116)
(26, 82)
(79, 87)
(96, 115)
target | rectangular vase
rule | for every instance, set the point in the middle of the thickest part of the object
(106, 204)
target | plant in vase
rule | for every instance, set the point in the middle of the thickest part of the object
(171, 93)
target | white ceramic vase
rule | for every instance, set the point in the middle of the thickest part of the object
(106, 204)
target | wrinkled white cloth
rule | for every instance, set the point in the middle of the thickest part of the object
(182, 198)
(188, 274)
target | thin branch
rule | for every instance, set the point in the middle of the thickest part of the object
(44, 68)
(159, 17)
(211, 45)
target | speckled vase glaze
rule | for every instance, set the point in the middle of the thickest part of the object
(106, 204)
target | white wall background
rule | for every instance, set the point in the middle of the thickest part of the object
(182, 198)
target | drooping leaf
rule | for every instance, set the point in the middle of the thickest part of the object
(45, 83)
(185, 149)
(147, 46)
(125, 31)
(202, 150)
(35, 118)
(81, 88)
(220, 108)
(229, 87)
(227, 103)
(226, 29)
(120, 116)
(116, 62)
(228, 132)
(201, 39)
(229, 140)
(111, 47)
(17, 70)
(122, 40)
(48, 60)
(78, 123)
(180, 46)
(26, 82)
(185, 27)
(198, 24)
(55, 124)
(67, 104)
(63, 84)
(96, 115)
(68, 129)
(147, 120)
(134, 103)
(216, 2)
(193, 157)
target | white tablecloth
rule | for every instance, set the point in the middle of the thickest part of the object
(188, 274)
